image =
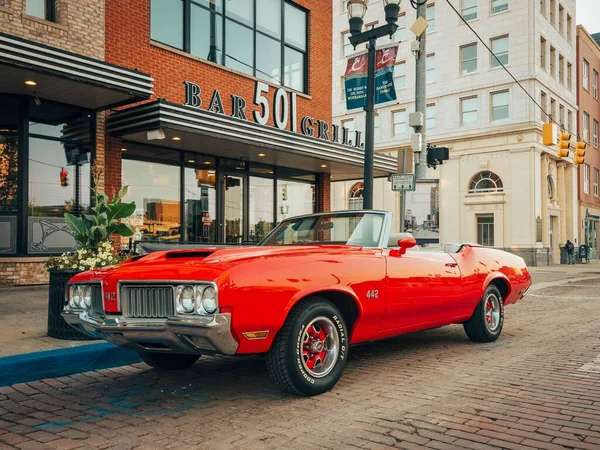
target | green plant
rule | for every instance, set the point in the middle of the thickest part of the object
(103, 221)
(87, 258)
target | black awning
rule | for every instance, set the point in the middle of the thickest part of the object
(67, 77)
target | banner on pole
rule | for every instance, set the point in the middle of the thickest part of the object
(355, 78)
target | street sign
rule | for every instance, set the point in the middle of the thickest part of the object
(403, 182)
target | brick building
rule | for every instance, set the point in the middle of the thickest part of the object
(588, 68)
(229, 132)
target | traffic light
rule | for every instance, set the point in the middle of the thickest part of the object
(284, 193)
(437, 155)
(579, 153)
(564, 141)
(64, 180)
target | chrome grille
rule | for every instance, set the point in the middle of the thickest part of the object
(151, 302)
(97, 309)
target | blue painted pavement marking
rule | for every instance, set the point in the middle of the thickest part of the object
(62, 362)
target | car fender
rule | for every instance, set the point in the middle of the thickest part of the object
(316, 290)
(492, 276)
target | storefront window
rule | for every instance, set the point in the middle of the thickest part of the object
(154, 187)
(200, 204)
(9, 152)
(234, 209)
(261, 207)
(294, 199)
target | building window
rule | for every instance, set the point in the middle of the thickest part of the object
(469, 9)
(553, 107)
(273, 48)
(42, 9)
(485, 230)
(349, 124)
(570, 120)
(400, 75)
(500, 50)
(431, 18)
(355, 198)
(544, 105)
(399, 122)
(551, 15)
(430, 75)
(499, 6)
(550, 188)
(485, 182)
(561, 115)
(586, 75)
(596, 176)
(595, 85)
(561, 19)
(400, 34)
(569, 76)
(499, 106)
(595, 133)
(430, 115)
(376, 127)
(586, 178)
(569, 29)
(468, 58)
(543, 53)
(552, 61)
(561, 70)
(543, 7)
(586, 127)
(348, 49)
(468, 110)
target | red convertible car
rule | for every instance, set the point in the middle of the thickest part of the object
(316, 285)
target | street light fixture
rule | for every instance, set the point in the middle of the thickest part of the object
(356, 11)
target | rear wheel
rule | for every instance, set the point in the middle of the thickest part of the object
(169, 361)
(488, 319)
(309, 353)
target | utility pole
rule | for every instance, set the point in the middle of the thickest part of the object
(421, 95)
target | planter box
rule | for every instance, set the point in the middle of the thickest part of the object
(57, 327)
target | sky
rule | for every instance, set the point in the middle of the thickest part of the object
(588, 15)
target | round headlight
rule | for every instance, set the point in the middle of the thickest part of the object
(209, 300)
(86, 297)
(76, 297)
(186, 300)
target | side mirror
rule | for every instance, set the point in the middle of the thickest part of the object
(406, 242)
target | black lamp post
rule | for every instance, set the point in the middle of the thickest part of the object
(356, 12)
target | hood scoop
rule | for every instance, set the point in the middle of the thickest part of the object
(189, 254)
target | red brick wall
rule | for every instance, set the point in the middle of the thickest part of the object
(128, 44)
(324, 189)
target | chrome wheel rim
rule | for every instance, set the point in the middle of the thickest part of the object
(492, 312)
(320, 347)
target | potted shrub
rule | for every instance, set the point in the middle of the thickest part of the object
(94, 234)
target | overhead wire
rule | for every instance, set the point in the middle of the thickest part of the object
(548, 114)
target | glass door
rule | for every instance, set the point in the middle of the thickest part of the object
(232, 231)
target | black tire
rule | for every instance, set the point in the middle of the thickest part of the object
(168, 361)
(285, 357)
(480, 328)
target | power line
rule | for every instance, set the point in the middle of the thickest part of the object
(549, 115)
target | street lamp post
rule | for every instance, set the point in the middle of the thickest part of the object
(356, 12)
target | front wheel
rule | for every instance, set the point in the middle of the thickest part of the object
(309, 353)
(168, 361)
(488, 319)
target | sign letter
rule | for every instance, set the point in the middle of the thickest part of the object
(281, 107)
(306, 130)
(238, 104)
(323, 129)
(260, 99)
(192, 94)
(293, 112)
(216, 105)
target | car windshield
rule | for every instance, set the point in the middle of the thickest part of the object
(358, 228)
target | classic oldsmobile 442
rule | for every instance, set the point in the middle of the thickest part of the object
(313, 287)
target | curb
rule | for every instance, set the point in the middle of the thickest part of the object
(62, 362)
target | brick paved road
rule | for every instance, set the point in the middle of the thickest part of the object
(537, 387)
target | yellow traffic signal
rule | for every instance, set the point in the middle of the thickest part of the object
(579, 153)
(563, 144)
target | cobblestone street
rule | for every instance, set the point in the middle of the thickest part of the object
(538, 386)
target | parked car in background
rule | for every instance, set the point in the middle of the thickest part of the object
(313, 287)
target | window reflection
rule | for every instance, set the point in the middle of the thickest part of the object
(294, 199)
(234, 209)
(9, 154)
(261, 208)
(154, 188)
(167, 22)
(200, 205)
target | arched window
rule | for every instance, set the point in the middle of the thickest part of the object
(550, 188)
(486, 181)
(356, 196)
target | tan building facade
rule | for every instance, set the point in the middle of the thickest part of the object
(588, 69)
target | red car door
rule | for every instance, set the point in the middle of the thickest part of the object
(424, 290)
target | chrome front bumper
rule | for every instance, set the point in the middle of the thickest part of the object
(200, 334)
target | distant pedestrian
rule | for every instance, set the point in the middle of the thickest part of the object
(570, 248)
